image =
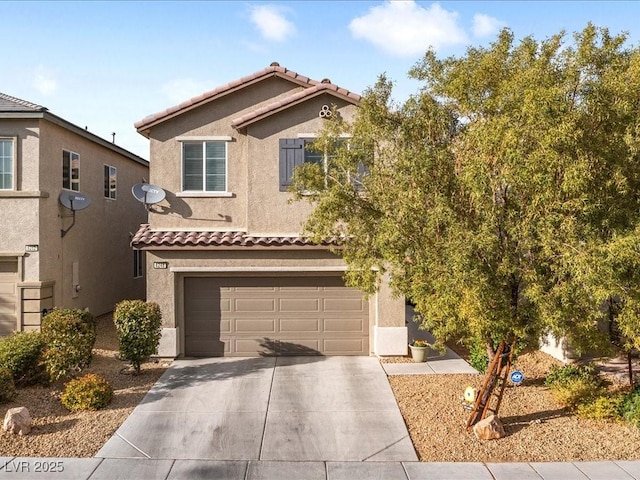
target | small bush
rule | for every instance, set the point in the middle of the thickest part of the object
(7, 386)
(20, 353)
(604, 407)
(89, 392)
(478, 357)
(576, 391)
(69, 336)
(559, 375)
(138, 325)
(630, 408)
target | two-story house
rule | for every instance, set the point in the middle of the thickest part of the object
(51, 255)
(226, 261)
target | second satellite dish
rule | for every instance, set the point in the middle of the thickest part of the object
(74, 201)
(147, 193)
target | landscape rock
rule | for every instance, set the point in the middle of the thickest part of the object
(17, 420)
(490, 428)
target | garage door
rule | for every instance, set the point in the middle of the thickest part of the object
(8, 296)
(274, 316)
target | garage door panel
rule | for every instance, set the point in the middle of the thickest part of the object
(276, 315)
(297, 305)
(255, 305)
(343, 305)
(344, 346)
(255, 326)
(345, 325)
(300, 325)
(8, 296)
(248, 347)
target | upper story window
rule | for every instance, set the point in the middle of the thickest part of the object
(70, 171)
(295, 152)
(110, 181)
(7, 163)
(204, 166)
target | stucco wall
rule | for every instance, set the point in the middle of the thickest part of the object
(99, 240)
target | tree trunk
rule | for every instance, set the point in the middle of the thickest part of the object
(630, 365)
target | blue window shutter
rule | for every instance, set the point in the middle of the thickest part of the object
(291, 155)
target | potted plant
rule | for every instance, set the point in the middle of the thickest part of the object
(419, 350)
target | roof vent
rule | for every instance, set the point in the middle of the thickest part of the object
(325, 80)
(274, 64)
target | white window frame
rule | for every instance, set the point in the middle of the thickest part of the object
(203, 140)
(71, 182)
(109, 192)
(138, 263)
(14, 161)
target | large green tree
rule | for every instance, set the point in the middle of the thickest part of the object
(492, 196)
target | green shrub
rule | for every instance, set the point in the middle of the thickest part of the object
(560, 375)
(20, 353)
(89, 392)
(138, 325)
(604, 407)
(69, 336)
(7, 386)
(478, 357)
(573, 392)
(630, 409)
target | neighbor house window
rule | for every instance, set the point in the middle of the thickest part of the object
(110, 181)
(138, 263)
(70, 171)
(7, 163)
(204, 166)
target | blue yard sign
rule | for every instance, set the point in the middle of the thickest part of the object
(517, 377)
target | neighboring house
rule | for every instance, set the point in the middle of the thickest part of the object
(226, 260)
(48, 258)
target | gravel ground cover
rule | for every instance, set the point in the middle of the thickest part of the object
(60, 433)
(538, 429)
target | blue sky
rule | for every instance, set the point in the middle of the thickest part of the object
(106, 65)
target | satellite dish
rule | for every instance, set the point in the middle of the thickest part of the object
(147, 193)
(74, 201)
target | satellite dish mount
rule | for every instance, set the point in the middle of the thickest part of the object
(73, 201)
(148, 194)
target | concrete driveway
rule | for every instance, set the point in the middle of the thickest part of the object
(275, 408)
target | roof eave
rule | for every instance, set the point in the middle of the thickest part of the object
(244, 124)
(144, 128)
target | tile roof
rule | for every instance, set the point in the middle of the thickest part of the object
(271, 71)
(13, 104)
(145, 237)
(292, 100)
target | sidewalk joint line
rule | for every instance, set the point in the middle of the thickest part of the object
(132, 445)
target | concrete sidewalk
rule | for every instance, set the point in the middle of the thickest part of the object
(150, 469)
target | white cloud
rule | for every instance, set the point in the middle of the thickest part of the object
(404, 28)
(180, 90)
(272, 23)
(485, 26)
(44, 81)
